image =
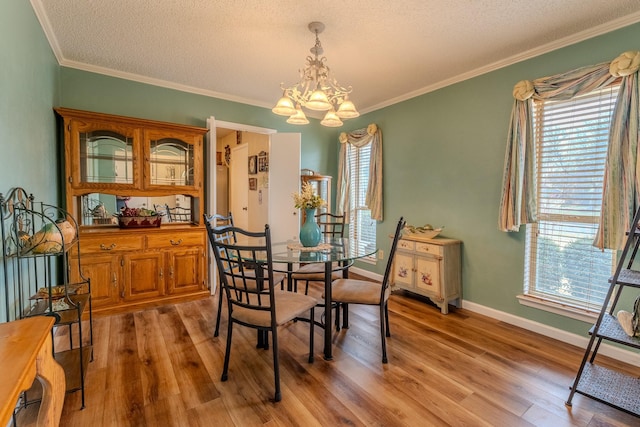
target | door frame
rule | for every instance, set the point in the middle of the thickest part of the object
(210, 194)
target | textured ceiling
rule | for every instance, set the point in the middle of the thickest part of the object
(242, 50)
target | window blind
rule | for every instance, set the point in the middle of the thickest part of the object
(362, 228)
(571, 145)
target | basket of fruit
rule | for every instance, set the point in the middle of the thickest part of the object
(426, 231)
(138, 218)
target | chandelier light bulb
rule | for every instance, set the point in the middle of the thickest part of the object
(331, 120)
(347, 110)
(298, 118)
(318, 101)
(284, 107)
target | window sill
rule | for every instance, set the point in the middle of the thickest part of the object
(559, 308)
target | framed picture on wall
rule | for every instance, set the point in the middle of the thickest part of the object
(263, 162)
(253, 184)
(253, 165)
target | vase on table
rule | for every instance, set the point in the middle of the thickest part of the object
(310, 234)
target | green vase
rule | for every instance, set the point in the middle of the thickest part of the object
(310, 234)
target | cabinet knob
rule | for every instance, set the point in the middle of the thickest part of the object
(107, 248)
(175, 243)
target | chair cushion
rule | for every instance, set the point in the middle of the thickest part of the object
(252, 284)
(315, 272)
(289, 305)
(352, 291)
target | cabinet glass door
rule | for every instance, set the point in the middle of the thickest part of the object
(106, 157)
(171, 162)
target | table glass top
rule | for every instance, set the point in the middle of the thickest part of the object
(329, 250)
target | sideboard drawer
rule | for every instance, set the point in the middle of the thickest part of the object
(406, 245)
(427, 248)
(103, 244)
(182, 238)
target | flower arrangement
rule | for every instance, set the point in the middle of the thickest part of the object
(307, 198)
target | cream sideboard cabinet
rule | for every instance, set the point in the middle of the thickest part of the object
(429, 267)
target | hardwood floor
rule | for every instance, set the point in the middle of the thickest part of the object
(162, 367)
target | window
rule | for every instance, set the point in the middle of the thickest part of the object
(362, 229)
(571, 138)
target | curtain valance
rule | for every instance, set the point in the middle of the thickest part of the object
(622, 174)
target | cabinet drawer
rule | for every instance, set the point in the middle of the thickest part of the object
(427, 248)
(406, 245)
(179, 238)
(104, 244)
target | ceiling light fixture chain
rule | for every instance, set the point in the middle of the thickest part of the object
(317, 90)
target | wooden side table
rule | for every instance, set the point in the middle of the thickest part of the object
(26, 354)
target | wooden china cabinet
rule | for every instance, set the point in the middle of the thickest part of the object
(111, 162)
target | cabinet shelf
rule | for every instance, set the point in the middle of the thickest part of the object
(628, 277)
(611, 330)
(69, 360)
(76, 303)
(610, 387)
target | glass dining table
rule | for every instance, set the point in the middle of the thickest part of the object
(329, 251)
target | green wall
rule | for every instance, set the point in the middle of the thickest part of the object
(443, 161)
(443, 151)
(28, 90)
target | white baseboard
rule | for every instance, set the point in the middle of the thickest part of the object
(579, 341)
(614, 352)
(366, 273)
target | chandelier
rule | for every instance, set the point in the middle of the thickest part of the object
(317, 90)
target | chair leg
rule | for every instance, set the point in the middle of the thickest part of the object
(276, 365)
(345, 316)
(262, 339)
(306, 288)
(216, 332)
(311, 327)
(386, 318)
(227, 353)
(383, 335)
(337, 316)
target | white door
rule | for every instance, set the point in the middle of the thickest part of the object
(284, 180)
(239, 186)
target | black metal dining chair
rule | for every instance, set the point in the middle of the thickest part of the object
(217, 220)
(351, 291)
(331, 226)
(245, 267)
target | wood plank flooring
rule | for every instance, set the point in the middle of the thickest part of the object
(162, 367)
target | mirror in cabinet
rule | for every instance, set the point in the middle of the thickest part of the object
(99, 209)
